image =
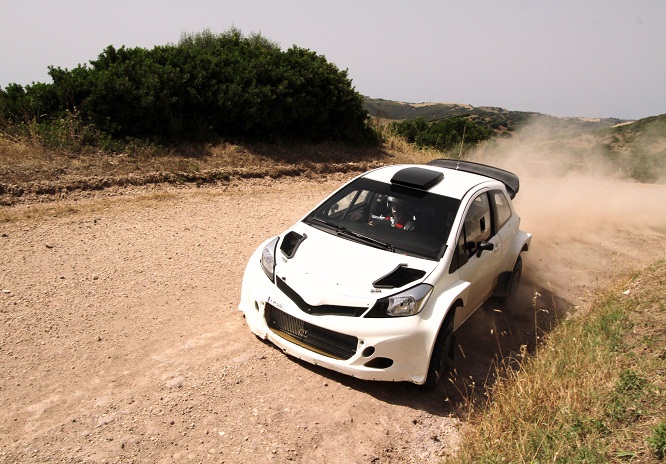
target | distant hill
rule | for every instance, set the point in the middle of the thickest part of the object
(631, 149)
(643, 143)
(653, 126)
(494, 117)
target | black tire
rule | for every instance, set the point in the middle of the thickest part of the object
(442, 354)
(515, 278)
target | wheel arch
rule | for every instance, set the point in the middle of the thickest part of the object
(450, 315)
(438, 347)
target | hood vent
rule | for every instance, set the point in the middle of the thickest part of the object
(399, 277)
(290, 244)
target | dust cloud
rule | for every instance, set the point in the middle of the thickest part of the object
(589, 224)
(590, 228)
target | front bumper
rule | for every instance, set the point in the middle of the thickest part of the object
(389, 349)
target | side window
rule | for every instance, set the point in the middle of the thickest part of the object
(350, 207)
(477, 228)
(502, 207)
(340, 208)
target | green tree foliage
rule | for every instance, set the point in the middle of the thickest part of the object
(205, 87)
(445, 134)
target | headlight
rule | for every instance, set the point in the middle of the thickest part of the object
(407, 303)
(268, 258)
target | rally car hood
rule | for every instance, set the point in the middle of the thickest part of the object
(327, 269)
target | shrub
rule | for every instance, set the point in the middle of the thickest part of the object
(205, 87)
(658, 441)
(442, 135)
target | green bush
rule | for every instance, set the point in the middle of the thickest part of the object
(442, 135)
(205, 87)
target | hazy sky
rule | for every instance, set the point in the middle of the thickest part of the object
(595, 58)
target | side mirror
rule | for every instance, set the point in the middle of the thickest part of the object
(469, 248)
(485, 246)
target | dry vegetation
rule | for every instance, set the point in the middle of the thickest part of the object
(593, 392)
(29, 172)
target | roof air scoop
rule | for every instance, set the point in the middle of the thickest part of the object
(417, 178)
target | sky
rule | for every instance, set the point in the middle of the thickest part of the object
(586, 58)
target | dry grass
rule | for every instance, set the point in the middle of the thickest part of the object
(30, 173)
(38, 211)
(34, 180)
(593, 392)
(24, 162)
(404, 152)
(21, 162)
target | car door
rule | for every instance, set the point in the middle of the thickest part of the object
(479, 251)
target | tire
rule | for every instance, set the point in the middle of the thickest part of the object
(442, 353)
(515, 278)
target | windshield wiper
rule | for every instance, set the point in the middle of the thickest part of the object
(365, 239)
(340, 230)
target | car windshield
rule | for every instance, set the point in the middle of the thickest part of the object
(388, 216)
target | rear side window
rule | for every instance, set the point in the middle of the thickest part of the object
(477, 222)
(502, 208)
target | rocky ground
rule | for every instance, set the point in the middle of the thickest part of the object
(121, 341)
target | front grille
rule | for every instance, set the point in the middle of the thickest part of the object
(312, 337)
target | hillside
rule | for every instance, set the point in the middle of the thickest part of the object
(634, 151)
(547, 144)
(491, 116)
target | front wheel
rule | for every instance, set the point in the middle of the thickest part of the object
(441, 354)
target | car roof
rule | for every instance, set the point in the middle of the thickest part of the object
(453, 183)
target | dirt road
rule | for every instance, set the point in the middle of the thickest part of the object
(120, 338)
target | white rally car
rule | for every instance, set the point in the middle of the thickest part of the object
(376, 279)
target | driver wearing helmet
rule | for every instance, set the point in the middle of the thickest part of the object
(401, 216)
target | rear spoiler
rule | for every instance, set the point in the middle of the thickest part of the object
(509, 179)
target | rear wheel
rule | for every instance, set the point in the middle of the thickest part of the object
(441, 354)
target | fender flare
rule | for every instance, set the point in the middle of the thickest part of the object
(431, 377)
(452, 298)
(523, 242)
(449, 314)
